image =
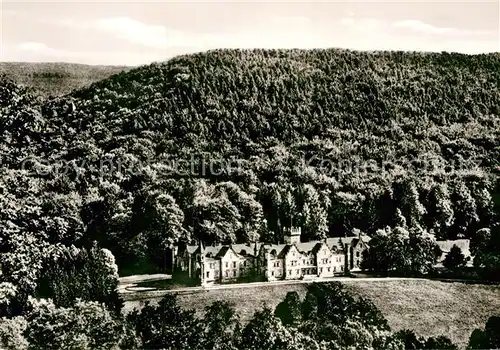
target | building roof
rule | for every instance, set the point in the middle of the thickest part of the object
(463, 244)
(274, 249)
(352, 241)
(279, 250)
(191, 248)
(220, 250)
(246, 249)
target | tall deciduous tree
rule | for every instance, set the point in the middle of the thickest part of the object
(216, 219)
(314, 215)
(465, 209)
(85, 325)
(87, 274)
(441, 215)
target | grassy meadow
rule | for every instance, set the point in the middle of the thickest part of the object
(430, 308)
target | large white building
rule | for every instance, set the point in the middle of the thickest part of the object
(260, 261)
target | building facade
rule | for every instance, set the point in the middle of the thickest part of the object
(270, 262)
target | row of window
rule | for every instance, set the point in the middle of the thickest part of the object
(298, 272)
(311, 262)
(293, 262)
(313, 271)
(217, 272)
(244, 264)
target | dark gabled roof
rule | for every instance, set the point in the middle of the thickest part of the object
(317, 247)
(352, 241)
(280, 249)
(276, 247)
(284, 251)
(222, 251)
(307, 247)
(247, 249)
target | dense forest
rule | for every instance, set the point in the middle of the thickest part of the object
(236, 145)
(232, 145)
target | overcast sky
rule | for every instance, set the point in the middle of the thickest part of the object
(133, 33)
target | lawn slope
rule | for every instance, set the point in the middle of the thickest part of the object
(430, 308)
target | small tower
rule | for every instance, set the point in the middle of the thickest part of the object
(202, 263)
(175, 250)
(292, 235)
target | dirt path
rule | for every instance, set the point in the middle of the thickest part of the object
(127, 282)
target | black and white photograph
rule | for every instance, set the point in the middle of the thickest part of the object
(249, 175)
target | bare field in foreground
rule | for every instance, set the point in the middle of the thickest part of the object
(428, 307)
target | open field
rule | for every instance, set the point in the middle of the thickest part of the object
(425, 306)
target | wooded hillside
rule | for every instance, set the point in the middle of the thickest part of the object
(330, 140)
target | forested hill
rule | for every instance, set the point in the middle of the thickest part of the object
(56, 79)
(330, 140)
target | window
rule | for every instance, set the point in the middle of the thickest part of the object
(320, 270)
(227, 273)
(342, 268)
(298, 272)
(290, 272)
(357, 254)
(227, 264)
(328, 269)
(208, 274)
(245, 263)
(304, 261)
(234, 263)
(334, 268)
(234, 273)
(272, 273)
(211, 265)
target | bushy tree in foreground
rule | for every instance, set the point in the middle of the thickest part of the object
(12, 333)
(489, 338)
(221, 327)
(166, 326)
(412, 341)
(85, 325)
(265, 331)
(289, 311)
